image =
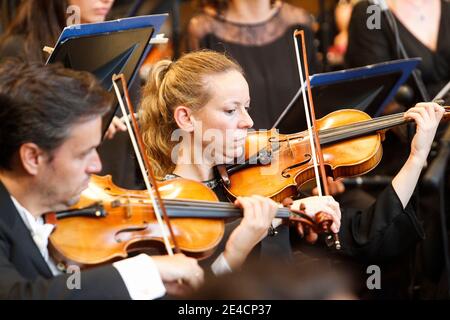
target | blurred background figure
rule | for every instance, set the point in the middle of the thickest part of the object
(258, 35)
(342, 15)
(38, 23)
(423, 27)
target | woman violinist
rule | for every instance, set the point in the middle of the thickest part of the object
(203, 98)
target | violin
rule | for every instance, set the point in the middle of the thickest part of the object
(277, 165)
(109, 222)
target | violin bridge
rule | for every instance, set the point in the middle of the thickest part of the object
(128, 209)
(116, 203)
(120, 203)
(291, 150)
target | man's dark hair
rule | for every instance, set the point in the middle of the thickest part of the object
(40, 104)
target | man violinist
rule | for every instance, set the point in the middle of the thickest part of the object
(50, 128)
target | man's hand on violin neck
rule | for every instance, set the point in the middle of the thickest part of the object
(179, 273)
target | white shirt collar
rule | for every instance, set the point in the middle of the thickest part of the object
(40, 232)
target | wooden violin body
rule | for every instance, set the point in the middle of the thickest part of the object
(109, 222)
(276, 165)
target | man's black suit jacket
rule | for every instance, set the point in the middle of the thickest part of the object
(24, 274)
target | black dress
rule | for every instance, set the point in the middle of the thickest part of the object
(266, 53)
(371, 46)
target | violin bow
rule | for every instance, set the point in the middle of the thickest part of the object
(316, 149)
(144, 164)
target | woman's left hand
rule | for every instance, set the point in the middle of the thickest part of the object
(427, 117)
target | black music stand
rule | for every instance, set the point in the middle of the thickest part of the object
(107, 48)
(368, 89)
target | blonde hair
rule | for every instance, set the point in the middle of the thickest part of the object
(172, 84)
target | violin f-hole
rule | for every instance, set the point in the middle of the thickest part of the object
(285, 173)
(118, 234)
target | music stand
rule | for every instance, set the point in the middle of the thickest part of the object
(107, 48)
(368, 89)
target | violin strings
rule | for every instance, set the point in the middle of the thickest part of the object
(187, 202)
(361, 129)
(213, 210)
(360, 125)
(192, 204)
(343, 129)
(365, 123)
(199, 202)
